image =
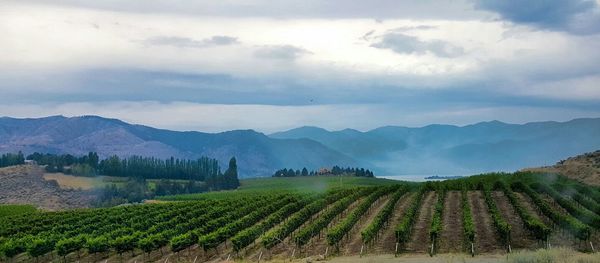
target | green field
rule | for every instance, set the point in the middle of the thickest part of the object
(10, 210)
(310, 184)
(348, 216)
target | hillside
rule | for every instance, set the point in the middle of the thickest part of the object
(391, 150)
(584, 168)
(449, 149)
(25, 184)
(257, 154)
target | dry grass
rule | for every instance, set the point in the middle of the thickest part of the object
(584, 168)
(555, 255)
(81, 182)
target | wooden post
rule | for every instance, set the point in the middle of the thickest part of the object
(396, 251)
(592, 246)
(195, 259)
(326, 249)
(361, 250)
(260, 256)
(293, 251)
(432, 246)
(472, 250)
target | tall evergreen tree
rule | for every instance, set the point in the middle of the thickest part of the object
(231, 175)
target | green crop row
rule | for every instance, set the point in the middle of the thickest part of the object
(336, 233)
(567, 222)
(370, 232)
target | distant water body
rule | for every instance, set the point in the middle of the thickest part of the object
(417, 177)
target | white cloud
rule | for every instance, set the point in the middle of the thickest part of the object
(47, 50)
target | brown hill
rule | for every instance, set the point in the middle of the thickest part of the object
(584, 168)
(25, 184)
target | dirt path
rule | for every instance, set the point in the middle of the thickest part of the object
(452, 234)
(486, 238)
(386, 243)
(419, 241)
(354, 243)
(520, 236)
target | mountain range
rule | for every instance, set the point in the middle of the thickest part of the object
(390, 150)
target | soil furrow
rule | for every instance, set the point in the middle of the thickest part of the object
(520, 236)
(486, 238)
(386, 243)
(419, 241)
(354, 243)
(452, 232)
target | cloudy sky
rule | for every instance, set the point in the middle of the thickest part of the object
(275, 65)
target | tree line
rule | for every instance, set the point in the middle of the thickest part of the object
(335, 170)
(200, 175)
(202, 169)
(10, 159)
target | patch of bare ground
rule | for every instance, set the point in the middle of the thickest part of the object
(386, 242)
(25, 184)
(452, 233)
(419, 241)
(486, 237)
(352, 243)
(520, 237)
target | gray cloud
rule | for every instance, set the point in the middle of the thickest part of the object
(381, 9)
(283, 52)
(405, 44)
(185, 42)
(575, 16)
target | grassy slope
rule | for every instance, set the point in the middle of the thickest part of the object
(311, 184)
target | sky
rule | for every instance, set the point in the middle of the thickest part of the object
(275, 65)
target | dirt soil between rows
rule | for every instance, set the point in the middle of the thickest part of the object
(452, 237)
(520, 236)
(486, 237)
(354, 238)
(386, 242)
(419, 242)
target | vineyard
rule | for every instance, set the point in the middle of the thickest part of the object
(492, 213)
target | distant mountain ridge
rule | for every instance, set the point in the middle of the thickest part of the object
(391, 150)
(459, 150)
(257, 154)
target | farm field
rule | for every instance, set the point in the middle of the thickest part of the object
(66, 181)
(13, 210)
(485, 217)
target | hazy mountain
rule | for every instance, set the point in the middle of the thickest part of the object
(448, 149)
(390, 150)
(257, 154)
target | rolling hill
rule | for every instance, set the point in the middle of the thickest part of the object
(583, 168)
(448, 149)
(391, 150)
(257, 154)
